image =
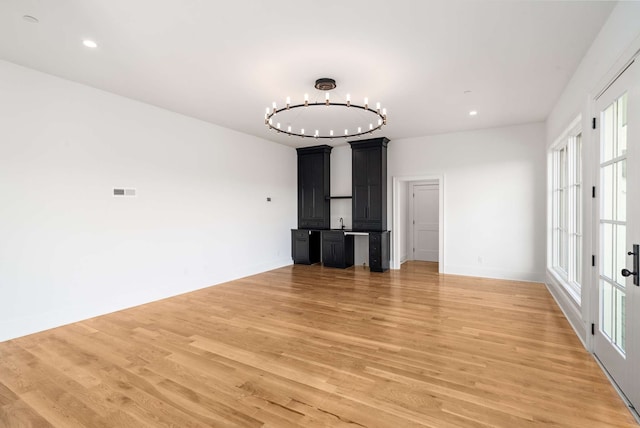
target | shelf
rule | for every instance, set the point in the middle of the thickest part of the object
(337, 197)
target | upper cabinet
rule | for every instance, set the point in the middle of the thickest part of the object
(369, 169)
(314, 187)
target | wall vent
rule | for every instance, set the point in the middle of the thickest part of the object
(123, 192)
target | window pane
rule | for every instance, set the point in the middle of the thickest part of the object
(619, 319)
(606, 300)
(578, 265)
(607, 192)
(578, 210)
(607, 250)
(622, 125)
(607, 133)
(578, 159)
(621, 253)
(621, 190)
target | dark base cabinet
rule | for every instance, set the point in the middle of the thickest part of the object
(337, 249)
(379, 249)
(305, 246)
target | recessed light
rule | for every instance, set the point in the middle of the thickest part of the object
(473, 113)
(90, 43)
(31, 19)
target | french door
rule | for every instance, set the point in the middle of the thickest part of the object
(617, 336)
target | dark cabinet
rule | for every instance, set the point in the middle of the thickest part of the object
(379, 249)
(314, 187)
(305, 246)
(337, 249)
(369, 180)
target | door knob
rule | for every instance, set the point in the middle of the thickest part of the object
(626, 272)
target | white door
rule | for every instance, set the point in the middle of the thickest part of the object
(617, 332)
(425, 222)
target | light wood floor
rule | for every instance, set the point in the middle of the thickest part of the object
(311, 346)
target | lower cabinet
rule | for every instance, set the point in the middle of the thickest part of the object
(379, 249)
(305, 246)
(337, 249)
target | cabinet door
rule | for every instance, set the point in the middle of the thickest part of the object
(338, 252)
(301, 247)
(375, 203)
(374, 166)
(369, 184)
(374, 181)
(374, 251)
(306, 186)
(360, 202)
(317, 168)
(328, 253)
(360, 185)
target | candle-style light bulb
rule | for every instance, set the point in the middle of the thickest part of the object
(289, 128)
(306, 100)
(370, 126)
(326, 98)
(359, 129)
(366, 102)
(288, 102)
(316, 134)
(348, 100)
(384, 111)
(302, 131)
(331, 133)
(278, 125)
(274, 106)
(378, 107)
(346, 132)
(379, 121)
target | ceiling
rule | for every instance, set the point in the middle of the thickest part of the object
(224, 62)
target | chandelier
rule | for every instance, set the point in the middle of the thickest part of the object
(330, 119)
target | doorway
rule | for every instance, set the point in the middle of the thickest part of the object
(400, 218)
(423, 228)
(617, 228)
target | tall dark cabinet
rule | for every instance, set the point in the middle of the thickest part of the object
(369, 177)
(314, 187)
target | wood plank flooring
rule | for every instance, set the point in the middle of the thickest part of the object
(307, 346)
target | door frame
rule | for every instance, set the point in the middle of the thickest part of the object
(399, 210)
(590, 297)
(411, 210)
(590, 292)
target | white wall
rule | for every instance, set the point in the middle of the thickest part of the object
(494, 197)
(69, 250)
(618, 39)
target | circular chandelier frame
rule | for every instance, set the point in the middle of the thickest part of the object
(271, 114)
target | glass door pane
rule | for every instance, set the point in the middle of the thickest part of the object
(613, 216)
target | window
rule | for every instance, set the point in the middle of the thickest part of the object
(566, 210)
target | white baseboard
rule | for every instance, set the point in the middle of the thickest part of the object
(569, 308)
(493, 273)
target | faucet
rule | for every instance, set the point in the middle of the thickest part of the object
(341, 223)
